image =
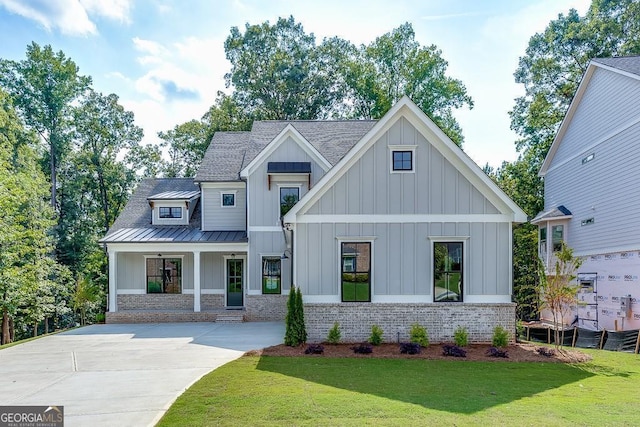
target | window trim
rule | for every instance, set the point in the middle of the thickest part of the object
(146, 280)
(228, 193)
(402, 148)
(171, 208)
(262, 275)
(465, 263)
(369, 241)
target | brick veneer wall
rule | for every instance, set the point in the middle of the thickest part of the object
(155, 302)
(440, 320)
(159, 316)
(260, 308)
(211, 302)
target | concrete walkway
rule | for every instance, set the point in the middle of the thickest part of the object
(124, 375)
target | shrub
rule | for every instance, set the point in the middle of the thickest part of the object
(546, 352)
(453, 350)
(410, 348)
(362, 349)
(500, 337)
(418, 335)
(334, 334)
(314, 349)
(296, 331)
(376, 335)
(461, 336)
(100, 317)
(497, 352)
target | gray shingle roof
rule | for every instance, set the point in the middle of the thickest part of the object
(134, 222)
(630, 64)
(230, 152)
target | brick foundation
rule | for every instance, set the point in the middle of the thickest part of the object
(211, 302)
(160, 316)
(440, 320)
(155, 302)
(262, 308)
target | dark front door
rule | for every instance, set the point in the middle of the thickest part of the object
(234, 283)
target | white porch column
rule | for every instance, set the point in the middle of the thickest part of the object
(196, 281)
(113, 298)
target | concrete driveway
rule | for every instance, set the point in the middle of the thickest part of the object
(124, 375)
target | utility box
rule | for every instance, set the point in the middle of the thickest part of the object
(625, 305)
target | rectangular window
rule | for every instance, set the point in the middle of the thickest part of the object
(164, 275)
(289, 196)
(170, 212)
(557, 237)
(356, 271)
(447, 271)
(271, 275)
(228, 200)
(402, 160)
(543, 240)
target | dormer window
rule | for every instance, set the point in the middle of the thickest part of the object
(170, 212)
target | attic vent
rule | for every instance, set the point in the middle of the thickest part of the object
(588, 158)
(587, 221)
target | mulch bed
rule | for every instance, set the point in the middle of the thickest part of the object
(520, 352)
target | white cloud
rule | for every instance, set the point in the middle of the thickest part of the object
(70, 17)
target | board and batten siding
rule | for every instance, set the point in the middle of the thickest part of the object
(218, 218)
(402, 259)
(212, 271)
(266, 243)
(436, 187)
(610, 102)
(131, 274)
(264, 204)
(605, 189)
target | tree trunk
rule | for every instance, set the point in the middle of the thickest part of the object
(6, 336)
(52, 165)
(46, 325)
(35, 328)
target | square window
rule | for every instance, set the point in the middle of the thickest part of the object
(228, 200)
(402, 160)
(164, 275)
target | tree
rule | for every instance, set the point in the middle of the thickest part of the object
(296, 331)
(43, 88)
(277, 73)
(557, 291)
(394, 65)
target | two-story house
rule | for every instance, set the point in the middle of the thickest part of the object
(590, 193)
(378, 222)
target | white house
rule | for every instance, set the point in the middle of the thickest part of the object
(590, 193)
(378, 222)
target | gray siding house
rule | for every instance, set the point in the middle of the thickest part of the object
(591, 198)
(378, 222)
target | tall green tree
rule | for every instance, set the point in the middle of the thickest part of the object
(394, 65)
(43, 87)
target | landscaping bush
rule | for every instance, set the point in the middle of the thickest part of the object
(410, 348)
(418, 335)
(546, 352)
(314, 349)
(461, 336)
(376, 335)
(334, 334)
(453, 350)
(296, 331)
(362, 349)
(500, 337)
(497, 352)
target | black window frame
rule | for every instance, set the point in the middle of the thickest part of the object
(164, 283)
(359, 273)
(284, 207)
(233, 196)
(170, 210)
(268, 274)
(448, 270)
(400, 165)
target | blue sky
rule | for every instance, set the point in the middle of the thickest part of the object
(165, 58)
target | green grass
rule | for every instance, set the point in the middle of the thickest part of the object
(275, 391)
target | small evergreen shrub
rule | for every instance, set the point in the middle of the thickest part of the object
(453, 350)
(461, 336)
(410, 348)
(362, 349)
(376, 335)
(546, 352)
(314, 349)
(334, 334)
(500, 337)
(497, 352)
(418, 335)
(296, 331)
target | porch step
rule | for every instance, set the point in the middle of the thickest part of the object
(230, 317)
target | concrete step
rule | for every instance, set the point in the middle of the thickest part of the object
(230, 317)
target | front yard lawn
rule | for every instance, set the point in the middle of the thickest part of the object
(277, 391)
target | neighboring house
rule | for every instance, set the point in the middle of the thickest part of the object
(378, 222)
(591, 199)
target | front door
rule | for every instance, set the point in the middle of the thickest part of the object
(235, 269)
